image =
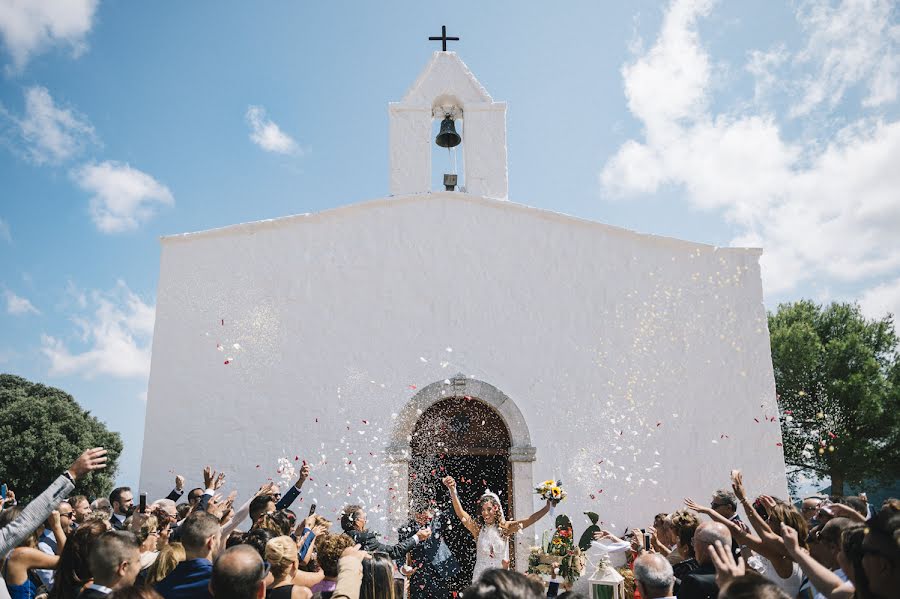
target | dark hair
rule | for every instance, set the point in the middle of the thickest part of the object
(195, 494)
(116, 495)
(851, 545)
(182, 511)
(135, 592)
(858, 504)
(235, 538)
(257, 539)
(108, 551)
(378, 577)
(73, 571)
(752, 586)
(76, 499)
(234, 577)
(503, 584)
(488, 499)
(196, 529)
(278, 522)
(349, 516)
(259, 506)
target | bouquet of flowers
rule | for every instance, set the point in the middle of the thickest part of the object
(552, 490)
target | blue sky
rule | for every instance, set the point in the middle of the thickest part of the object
(773, 124)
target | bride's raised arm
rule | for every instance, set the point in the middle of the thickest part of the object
(467, 521)
(514, 526)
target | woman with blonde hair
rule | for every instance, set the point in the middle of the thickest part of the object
(169, 557)
(281, 553)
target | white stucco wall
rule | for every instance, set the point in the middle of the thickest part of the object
(639, 363)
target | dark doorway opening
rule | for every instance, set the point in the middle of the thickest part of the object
(464, 438)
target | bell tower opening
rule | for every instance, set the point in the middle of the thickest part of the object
(447, 150)
(467, 439)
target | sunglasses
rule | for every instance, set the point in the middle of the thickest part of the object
(266, 567)
(715, 505)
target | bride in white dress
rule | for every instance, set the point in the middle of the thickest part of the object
(490, 528)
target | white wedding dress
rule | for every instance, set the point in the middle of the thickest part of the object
(491, 548)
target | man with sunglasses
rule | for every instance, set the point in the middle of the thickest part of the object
(725, 503)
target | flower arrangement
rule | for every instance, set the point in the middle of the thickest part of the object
(552, 490)
(560, 551)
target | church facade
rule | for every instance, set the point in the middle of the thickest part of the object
(395, 341)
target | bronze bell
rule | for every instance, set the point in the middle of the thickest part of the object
(447, 137)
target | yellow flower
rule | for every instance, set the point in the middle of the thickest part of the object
(555, 491)
(547, 483)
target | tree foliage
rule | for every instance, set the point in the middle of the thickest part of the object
(837, 376)
(42, 431)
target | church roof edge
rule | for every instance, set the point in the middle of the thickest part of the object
(259, 225)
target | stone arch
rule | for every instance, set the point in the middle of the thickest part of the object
(521, 453)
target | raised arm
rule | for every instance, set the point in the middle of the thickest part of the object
(823, 579)
(467, 521)
(750, 540)
(38, 510)
(288, 498)
(514, 526)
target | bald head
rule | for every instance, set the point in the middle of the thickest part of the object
(238, 573)
(706, 535)
(653, 573)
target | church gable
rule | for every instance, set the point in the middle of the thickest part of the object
(446, 76)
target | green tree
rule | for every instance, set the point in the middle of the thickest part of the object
(837, 376)
(42, 431)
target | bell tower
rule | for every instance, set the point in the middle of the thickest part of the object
(446, 87)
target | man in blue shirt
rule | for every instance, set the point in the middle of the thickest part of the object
(190, 579)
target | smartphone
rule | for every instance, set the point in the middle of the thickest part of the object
(552, 589)
(143, 504)
(3, 490)
(312, 509)
(646, 541)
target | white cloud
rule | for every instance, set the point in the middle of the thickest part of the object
(123, 197)
(29, 27)
(882, 299)
(118, 336)
(17, 305)
(49, 133)
(850, 43)
(266, 134)
(819, 208)
(5, 233)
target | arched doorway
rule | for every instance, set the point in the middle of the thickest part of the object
(521, 452)
(465, 438)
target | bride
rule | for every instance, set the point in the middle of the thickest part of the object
(490, 528)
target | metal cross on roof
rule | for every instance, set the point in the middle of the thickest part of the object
(443, 38)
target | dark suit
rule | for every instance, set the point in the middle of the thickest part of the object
(90, 593)
(189, 580)
(433, 560)
(115, 523)
(699, 584)
(368, 541)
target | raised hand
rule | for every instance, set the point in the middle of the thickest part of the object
(726, 568)
(319, 530)
(53, 520)
(449, 482)
(737, 483)
(179, 482)
(693, 505)
(408, 571)
(91, 459)
(269, 488)
(791, 542)
(209, 475)
(304, 474)
(423, 533)
(504, 564)
(220, 480)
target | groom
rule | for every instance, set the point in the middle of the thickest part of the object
(431, 565)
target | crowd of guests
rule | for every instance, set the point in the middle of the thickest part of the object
(200, 545)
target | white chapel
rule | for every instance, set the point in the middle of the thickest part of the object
(393, 341)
